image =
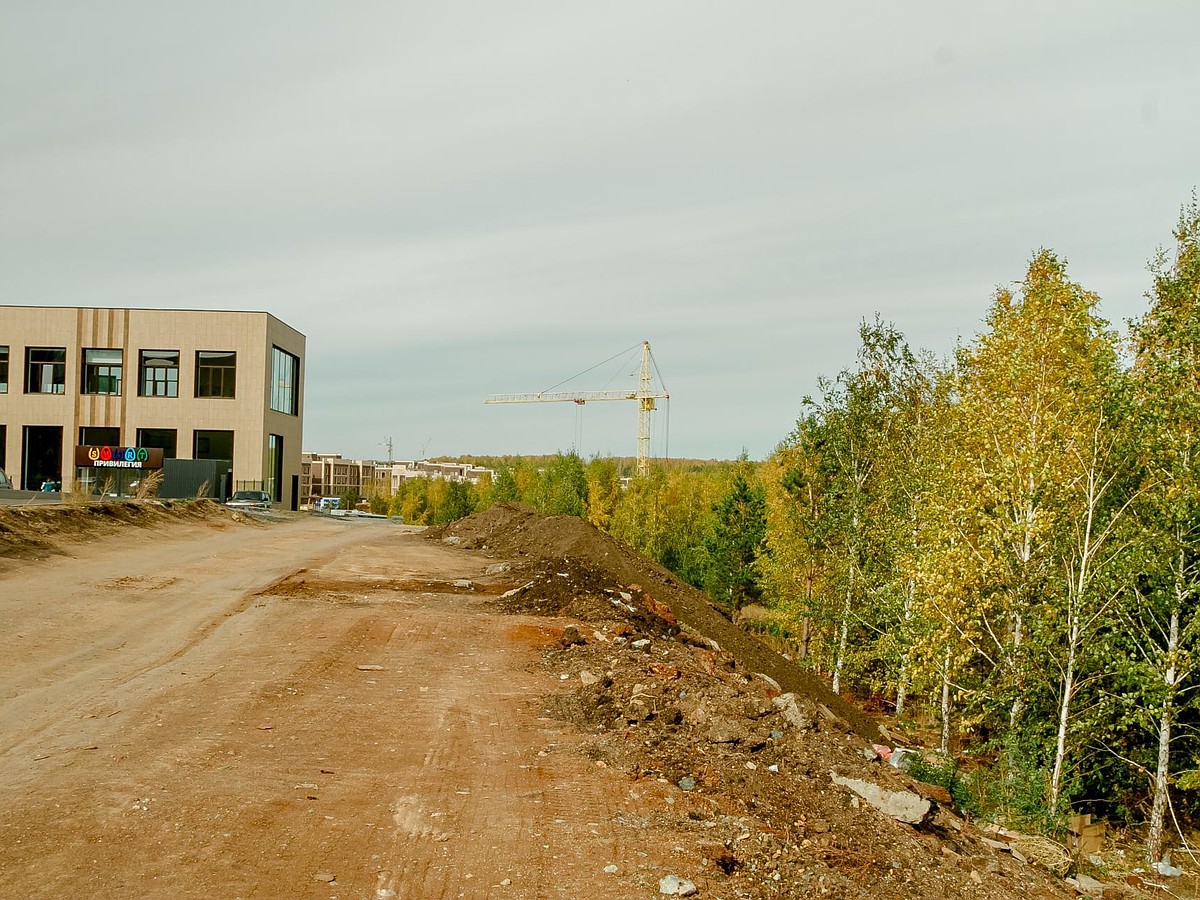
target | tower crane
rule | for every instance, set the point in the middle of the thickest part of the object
(645, 395)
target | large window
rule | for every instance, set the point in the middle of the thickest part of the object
(165, 439)
(285, 381)
(216, 373)
(45, 370)
(3, 370)
(274, 478)
(212, 445)
(91, 436)
(159, 373)
(101, 372)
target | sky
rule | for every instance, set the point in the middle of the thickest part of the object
(457, 199)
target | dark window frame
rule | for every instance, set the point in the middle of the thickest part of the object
(3, 368)
(216, 381)
(285, 381)
(95, 374)
(58, 370)
(170, 388)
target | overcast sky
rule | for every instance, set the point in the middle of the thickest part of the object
(455, 199)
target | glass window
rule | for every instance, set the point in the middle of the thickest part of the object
(45, 370)
(163, 438)
(3, 370)
(285, 378)
(216, 372)
(212, 445)
(101, 372)
(274, 479)
(90, 436)
(159, 373)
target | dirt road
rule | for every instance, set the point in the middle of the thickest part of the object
(302, 710)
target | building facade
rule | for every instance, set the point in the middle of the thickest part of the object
(329, 475)
(194, 384)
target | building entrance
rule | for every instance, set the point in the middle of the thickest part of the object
(41, 457)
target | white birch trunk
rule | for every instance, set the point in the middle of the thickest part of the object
(843, 635)
(1158, 808)
(946, 702)
(902, 681)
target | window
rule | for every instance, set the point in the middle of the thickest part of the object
(3, 370)
(285, 378)
(101, 372)
(274, 479)
(216, 371)
(159, 373)
(163, 438)
(212, 445)
(99, 437)
(45, 370)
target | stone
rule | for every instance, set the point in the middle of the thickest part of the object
(641, 644)
(327, 877)
(673, 885)
(589, 678)
(687, 783)
(369, 668)
(452, 539)
(571, 636)
(903, 806)
(723, 731)
(610, 869)
(796, 715)
(497, 569)
(637, 710)
(869, 754)
(462, 583)
(1086, 884)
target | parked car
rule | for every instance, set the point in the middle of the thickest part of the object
(250, 500)
(5, 484)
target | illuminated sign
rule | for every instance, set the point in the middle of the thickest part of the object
(90, 457)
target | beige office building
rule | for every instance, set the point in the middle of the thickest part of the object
(193, 383)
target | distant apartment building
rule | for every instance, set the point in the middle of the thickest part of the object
(81, 385)
(329, 475)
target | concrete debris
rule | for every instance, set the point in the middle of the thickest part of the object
(641, 644)
(462, 583)
(452, 540)
(724, 731)
(497, 569)
(799, 714)
(903, 806)
(673, 885)
(1086, 884)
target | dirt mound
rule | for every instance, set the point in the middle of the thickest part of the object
(515, 531)
(726, 739)
(37, 532)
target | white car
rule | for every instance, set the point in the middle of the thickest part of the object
(5, 484)
(250, 500)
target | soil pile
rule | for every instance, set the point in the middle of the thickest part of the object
(731, 742)
(38, 531)
(514, 531)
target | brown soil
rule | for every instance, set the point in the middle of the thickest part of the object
(340, 709)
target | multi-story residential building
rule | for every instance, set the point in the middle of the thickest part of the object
(329, 475)
(186, 384)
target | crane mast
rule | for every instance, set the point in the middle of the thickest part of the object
(645, 395)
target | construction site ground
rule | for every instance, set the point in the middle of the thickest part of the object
(200, 704)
